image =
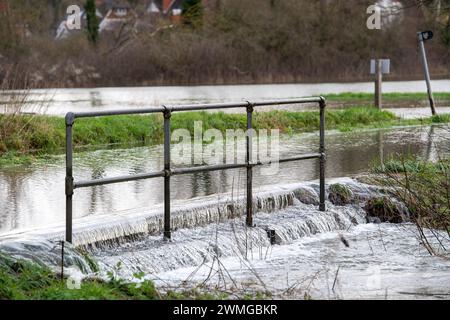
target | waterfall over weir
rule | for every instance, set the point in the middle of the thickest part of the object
(189, 217)
(204, 211)
(192, 247)
(204, 228)
(214, 231)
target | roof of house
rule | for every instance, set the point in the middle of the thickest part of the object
(121, 4)
(113, 21)
(107, 5)
(157, 6)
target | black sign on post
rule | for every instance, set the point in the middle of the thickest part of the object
(426, 35)
(422, 37)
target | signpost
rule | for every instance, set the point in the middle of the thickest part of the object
(379, 67)
(424, 36)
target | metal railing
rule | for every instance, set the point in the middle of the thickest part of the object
(71, 185)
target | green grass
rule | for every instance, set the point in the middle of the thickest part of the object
(40, 135)
(14, 158)
(350, 96)
(24, 280)
(407, 164)
(423, 186)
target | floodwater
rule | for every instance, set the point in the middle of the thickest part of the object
(61, 101)
(308, 258)
(383, 261)
(32, 196)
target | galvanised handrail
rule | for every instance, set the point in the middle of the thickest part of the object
(167, 111)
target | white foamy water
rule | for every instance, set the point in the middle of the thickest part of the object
(212, 247)
(308, 255)
(115, 229)
(383, 261)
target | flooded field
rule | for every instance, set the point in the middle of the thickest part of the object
(61, 101)
(33, 196)
(120, 225)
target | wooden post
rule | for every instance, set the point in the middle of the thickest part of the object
(378, 82)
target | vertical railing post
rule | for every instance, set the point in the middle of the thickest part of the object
(249, 142)
(69, 175)
(322, 154)
(167, 227)
(378, 83)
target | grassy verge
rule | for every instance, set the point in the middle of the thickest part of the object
(423, 186)
(23, 280)
(23, 136)
(394, 97)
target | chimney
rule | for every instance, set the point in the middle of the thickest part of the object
(166, 5)
(3, 6)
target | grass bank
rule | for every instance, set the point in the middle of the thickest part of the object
(23, 280)
(25, 136)
(390, 97)
(423, 186)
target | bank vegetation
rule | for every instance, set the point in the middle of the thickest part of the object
(232, 41)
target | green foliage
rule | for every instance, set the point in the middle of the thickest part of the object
(340, 194)
(251, 41)
(441, 118)
(445, 36)
(15, 158)
(411, 165)
(23, 136)
(192, 12)
(391, 96)
(92, 21)
(92, 263)
(423, 186)
(384, 209)
(20, 279)
(23, 280)
(405, 165)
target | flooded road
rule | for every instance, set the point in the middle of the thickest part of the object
(61, 101)
(33, 196)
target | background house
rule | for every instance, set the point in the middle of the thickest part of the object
(165, 8)
(119, 15)
(114, 15)
(64, 28)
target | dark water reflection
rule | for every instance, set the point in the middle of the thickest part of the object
(33, 196)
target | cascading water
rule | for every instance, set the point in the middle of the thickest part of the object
(289, 210)
(184, 216)
(191, 247)
(291, 244)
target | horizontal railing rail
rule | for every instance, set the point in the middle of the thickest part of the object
(71, 184)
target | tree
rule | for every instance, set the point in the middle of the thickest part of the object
(438, 11)
(192, 12)
(92, 21)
